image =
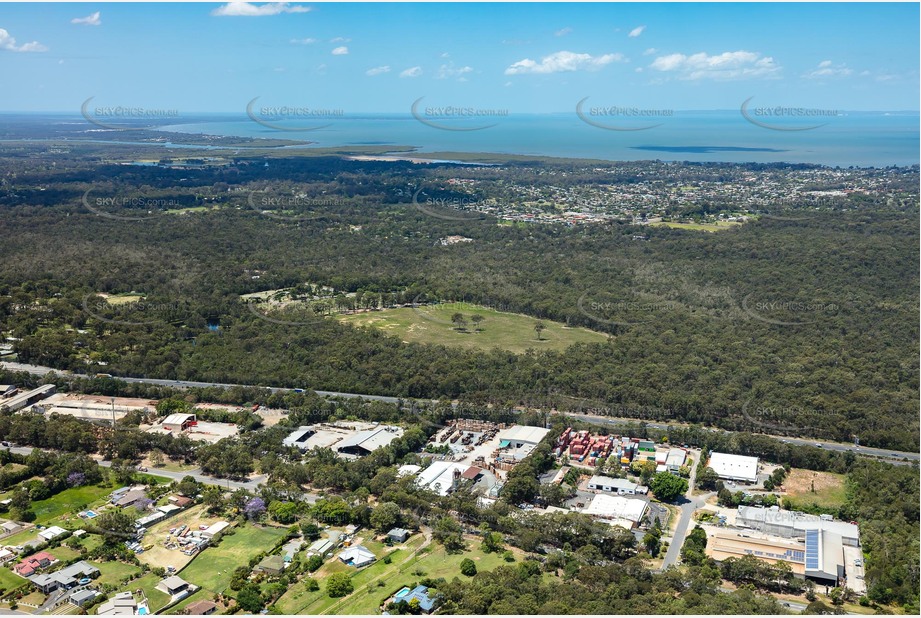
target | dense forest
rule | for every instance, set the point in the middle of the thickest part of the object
(790, 326)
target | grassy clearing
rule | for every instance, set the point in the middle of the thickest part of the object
(824, 489)
(123, 299)
(148, 584)
(716, 226)
(9, 580)
(212, 568)
(68, 502)
(509, 331)
(114, 572)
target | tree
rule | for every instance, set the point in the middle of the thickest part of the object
(492, 541)
(448, 532)
(468, 567)
(339, 585)
(254, 508)
(283, 512)
(459, 321)
(385, 516)
(75, 479)
(476, 318)
(707, 478)
(188, 487)
(311, 530)
(115, 526)
(156, 457)
(313, 563)
(539, 327)
(250, 598)
(667, 487)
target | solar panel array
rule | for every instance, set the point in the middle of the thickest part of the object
(812, 550)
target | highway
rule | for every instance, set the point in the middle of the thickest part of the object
(887, 454)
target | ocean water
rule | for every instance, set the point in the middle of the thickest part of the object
(866, 139)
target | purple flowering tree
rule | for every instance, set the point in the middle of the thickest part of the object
(75, 479)
(254, 508)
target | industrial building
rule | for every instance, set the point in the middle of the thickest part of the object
(793, 524)
(734, 467)
(94, 408)
(215, 529)
(364, 442)
(443, 477)
(621, 487)
(21, 400)
(675, 459)
(350, 440)
(617, 510)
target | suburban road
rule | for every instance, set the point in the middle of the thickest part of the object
(892, 456)
(691, 503)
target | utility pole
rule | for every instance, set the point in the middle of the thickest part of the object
(113, 413)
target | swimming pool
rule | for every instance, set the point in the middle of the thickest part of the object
(142, 611)
(91, 514)
(403, 592)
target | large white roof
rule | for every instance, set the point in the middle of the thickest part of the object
(735, 467)
(616, 507)
(439, 476)
(523, 433)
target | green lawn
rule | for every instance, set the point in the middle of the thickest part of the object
(509, 331)
(20, 537)
(148, 583)
(114, 572)
(9, 580)
(201, 595)
(68, 502)
(212, 568)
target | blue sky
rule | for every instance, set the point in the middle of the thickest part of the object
(518, 57)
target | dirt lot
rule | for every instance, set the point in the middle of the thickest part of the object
(829, 488)
(155, 552)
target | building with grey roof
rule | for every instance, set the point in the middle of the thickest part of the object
(363, 442)
(793, 524)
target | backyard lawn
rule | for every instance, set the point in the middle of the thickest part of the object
(148, 584)
(9, 580)
(111, 572)
(213, 568)
(68, 502)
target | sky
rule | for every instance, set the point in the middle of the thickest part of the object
(520, 58)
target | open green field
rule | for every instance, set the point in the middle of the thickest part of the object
(112, 572)
(378, 581)
(212, 568)
(20, 537)
(823, 489)
(509, 331)
(716, 226)
(68, 502)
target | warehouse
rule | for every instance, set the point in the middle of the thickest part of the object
(617, 510)
(622, 487)
(790, 524)
(17, 402)
(675, 459)
(442, 477)
(734, 467)
(364, 442)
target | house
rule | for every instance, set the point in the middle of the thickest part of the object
(357, 556)
(420, 594)
(10, 527)
(675, 460)
(201, 608)
(734, 467)
(122, 604)
(130, 497)
(52, 532)
(6, 555)
(82, 597)
(398, 535)
(65, 578)
(173, 585)
(180, 501)
(273, 565)
(215, 529)
(34, 563)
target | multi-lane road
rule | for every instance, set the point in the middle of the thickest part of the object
(890, 455)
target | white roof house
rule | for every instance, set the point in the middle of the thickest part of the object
(626, 512)
(676, 458)
(52, 532)
(122, 604)
(734, 467)
(357, 556)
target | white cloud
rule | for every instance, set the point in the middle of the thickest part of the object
(412, 72)
(341, 51)
(563, 31)
(89, 20)
(728, 65)
(303, 41)
(562, 61)
(446, 71)
(827, 68)
(377, 71)
(247, 9)
(340, 39)
(650, 51)
(9, 43)
(636, 32)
